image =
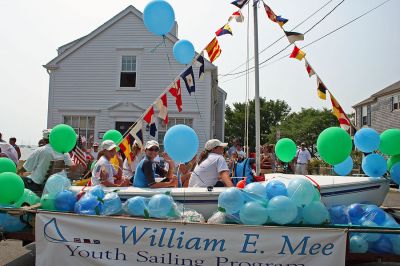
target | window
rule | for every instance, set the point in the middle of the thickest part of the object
(83, 125)
(128, 71)
(395, 101)
(162, 128)
(364, 116)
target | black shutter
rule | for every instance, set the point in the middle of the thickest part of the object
(369, 115)
(391, 103)
(361, 117)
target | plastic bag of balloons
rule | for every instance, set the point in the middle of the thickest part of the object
(10, 223)
(29, 198)
(65, 201)
(112, 204)
(136, 206)
(217, 218)
(158, 206)
(88, 205)
(183, 214)
(57, 183)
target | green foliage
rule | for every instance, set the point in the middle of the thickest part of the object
(272, 113)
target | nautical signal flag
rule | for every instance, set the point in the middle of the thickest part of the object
(343, 119)
(162, 105)
(188, 78)
(281, 21)
(294, 36)
(321, 89)
(239, 3)
(177, 93)
(137, 133)
(213, 50)
(153, 127)
(226, 29)
(271, 15)
(238, 16)
(126, 149)
(148, 116)
(309, 69)
(200, 63)
(297, 53)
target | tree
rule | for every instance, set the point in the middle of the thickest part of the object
(271, 113)
(305, 126)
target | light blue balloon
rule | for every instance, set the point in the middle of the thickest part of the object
(367, 140)
(395, 173)
(232, 200)
(136, 206)
(88, 205)
(282, 210)
(374, 165)
(57, 183)
(183, 51)
(299, 218)
(315, 213)
(111, 204)
(65, 201)
(276, 188)
(159, 17)
(370, 237)
(97, 191)
(300, 191)
(345, 167)
(396, 244)
(181, 143)
(10, 223)
(256, 188)
(160, 205)
(253, 213)
(358, 244)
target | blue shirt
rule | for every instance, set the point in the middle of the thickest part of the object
(145, 173)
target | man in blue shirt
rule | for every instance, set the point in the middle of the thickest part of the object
(147, 169)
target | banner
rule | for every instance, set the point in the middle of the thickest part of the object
(69, 239)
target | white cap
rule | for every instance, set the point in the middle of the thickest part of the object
(46, 133)
(107, 145)
(213, 143)
(151, 143)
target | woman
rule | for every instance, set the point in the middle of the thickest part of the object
(212, 169)
(268, 161)
(104, 172)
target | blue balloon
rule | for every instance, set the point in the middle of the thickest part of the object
(256, 188)
(276, 188)
(374, 214)
(10, 223)
(57, 183)
(338, 215)
(282, 210)
(160, 205)
(65, 201)
(367, 140)
(395, 244)
(159, 17)
(370, 237)
(88, 205)
(345, 167)
(374, 165)
(181, 143)
(183, 51)
(395, 173)
(300, 191)
(97, 191)
(382, 246)
(299, 218)
(358, 244)
(253, 213)
(315, 213)
(356, 212)
(136, 206)
(231, 200)
(111, 204)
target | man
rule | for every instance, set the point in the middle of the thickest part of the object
(302, 159)
(95, 151)
(13, 142)
(38, 164)
(8, 151)
(147, 169)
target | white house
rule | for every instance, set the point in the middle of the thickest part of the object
(108, 78)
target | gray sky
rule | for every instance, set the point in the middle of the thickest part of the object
(354, 62)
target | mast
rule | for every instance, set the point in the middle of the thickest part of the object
(257, 83)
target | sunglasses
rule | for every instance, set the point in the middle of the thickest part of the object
(154, 149)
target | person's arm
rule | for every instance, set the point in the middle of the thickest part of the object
(224, 177)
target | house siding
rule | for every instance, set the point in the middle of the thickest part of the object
(86, 81)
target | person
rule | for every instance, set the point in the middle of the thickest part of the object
(1, 138)
(240, 153)
(185, 171)
(13, 142)
(268, 160)
(302, 159)
(129, 168)
(104, 173)
(212, 169)
(95, 151)
(38, 164)
(9, 152)
(41, 143)
(147, 169)
(233, 147)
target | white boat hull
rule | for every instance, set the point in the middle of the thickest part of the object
(335, 190)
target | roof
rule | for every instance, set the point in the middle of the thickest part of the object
(395, 87)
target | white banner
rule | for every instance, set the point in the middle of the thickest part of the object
(68, 239)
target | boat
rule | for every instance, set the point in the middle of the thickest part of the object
(335, 190)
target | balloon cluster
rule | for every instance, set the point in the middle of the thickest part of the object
(158, 206)
(273, 202)
(367, 216)
(54, 192)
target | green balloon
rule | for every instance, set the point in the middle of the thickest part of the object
(28, 198)
(47, 201)
(285, 149)
(334, 145)
(11, 187)
(7, 165)
(113, 135)
(62, 138)
(392, 161)
(390, 142)
(93, 164)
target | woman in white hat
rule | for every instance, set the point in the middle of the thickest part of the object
(212, 169)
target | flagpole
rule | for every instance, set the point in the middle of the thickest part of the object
(257, 89)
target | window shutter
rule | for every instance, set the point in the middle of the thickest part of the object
(361, 116)
(369, 115)
(391, 103)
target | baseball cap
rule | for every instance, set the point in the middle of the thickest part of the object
(46, 133)
(213, 143)
(151, 143)
(107, 145)
(96, 144)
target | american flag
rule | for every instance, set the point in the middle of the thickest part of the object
(78, 155)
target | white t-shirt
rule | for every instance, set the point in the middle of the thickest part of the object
(207, 173)
(38, 162)
(129, 170)
(303, 156)
(103, 165)
(9, 151)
